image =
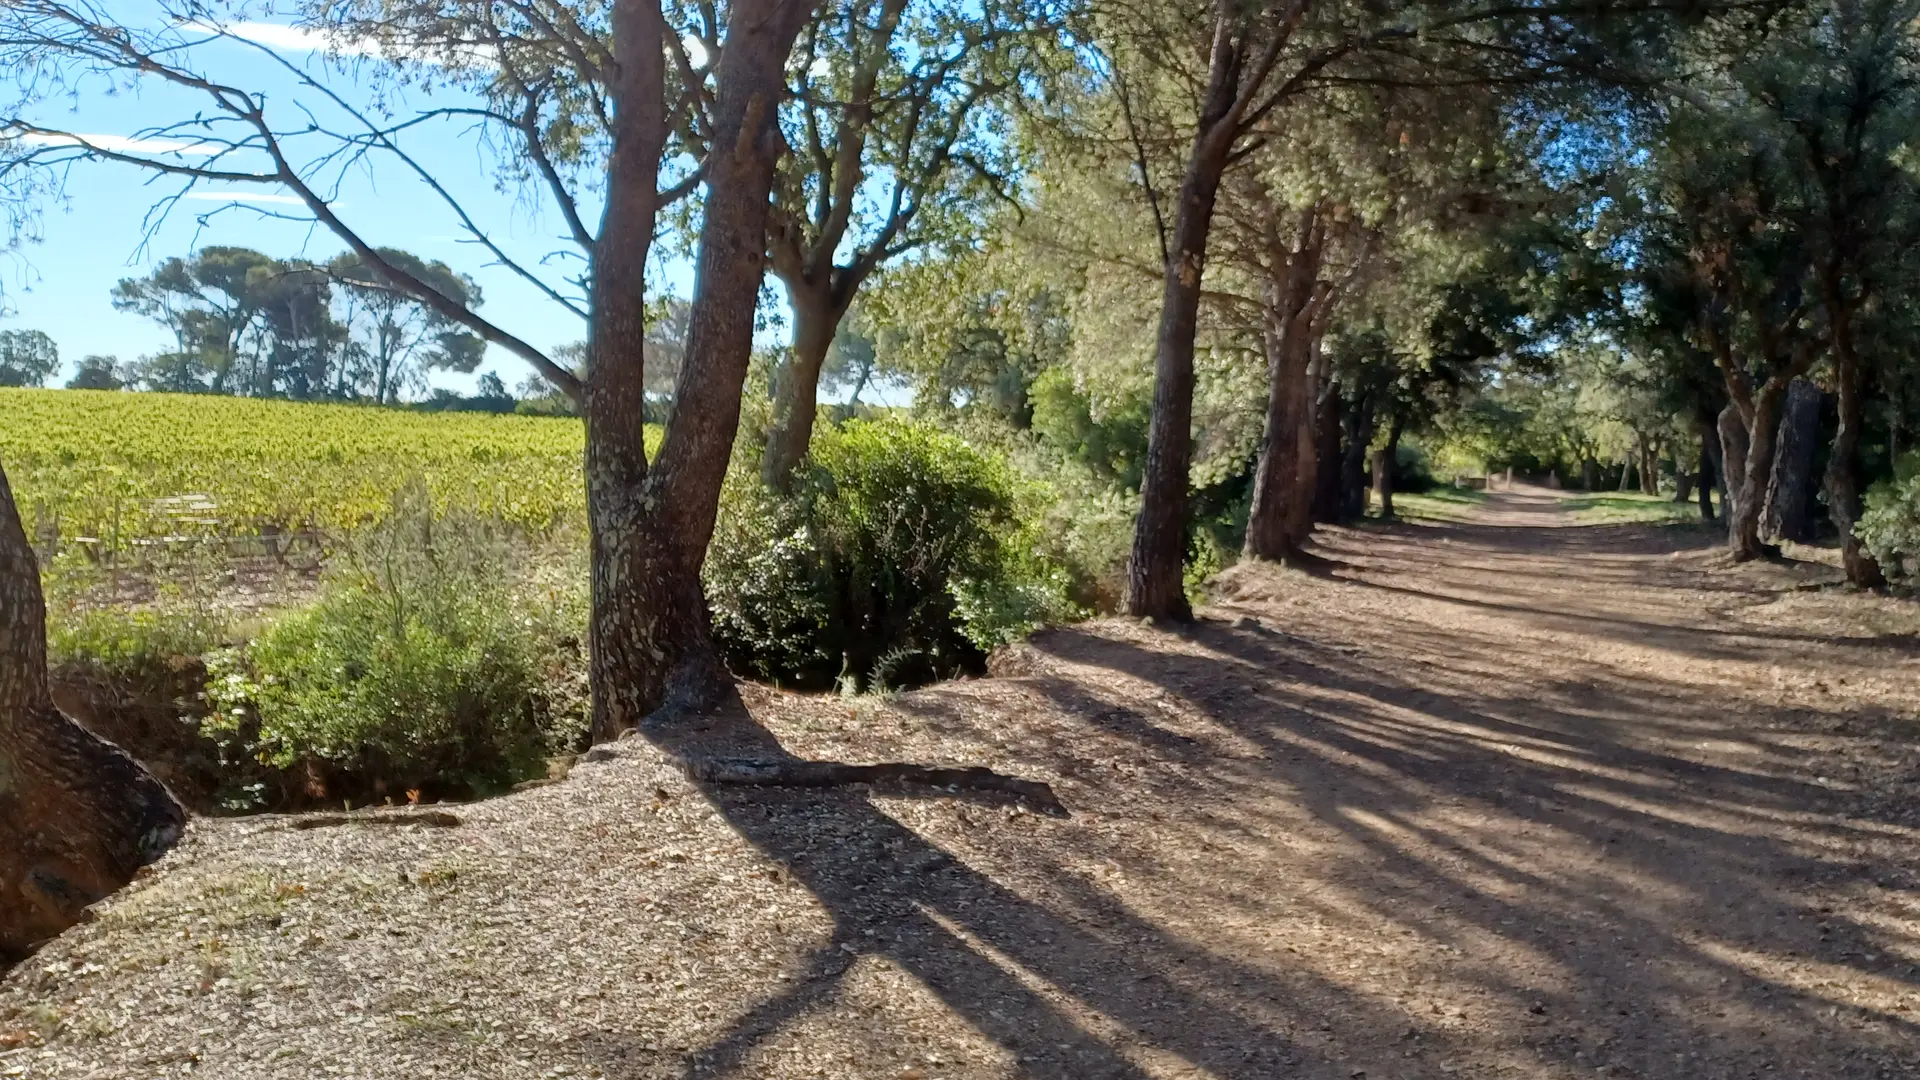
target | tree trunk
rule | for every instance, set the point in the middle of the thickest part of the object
(1384, 460)
(1788, 513)
(1843, 464)
(1589, 474)
(77, 815)
(1743, 532)
(1682, 482)
(613, 402)
(1287, 331)
(816, 318)
(1156, 585)
(1306, 473)
(1709, 471)
(1275, 472)
(1328, 464)
(1353, 481)
(652, 633)
(1733, 461)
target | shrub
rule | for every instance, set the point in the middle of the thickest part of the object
(433, 659)
(91, 625)
(1890, 524)
(903, 555)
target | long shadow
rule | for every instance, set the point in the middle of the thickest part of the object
(1346, 743)
(895, 896)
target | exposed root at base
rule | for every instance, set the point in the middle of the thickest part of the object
(438, 819)
(760, 772)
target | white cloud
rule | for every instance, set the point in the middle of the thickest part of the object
(294, 38)
(122, 144)
(284, 38)
(696, 51)
(245, 197)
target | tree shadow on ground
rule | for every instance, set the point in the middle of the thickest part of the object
(1693, 888)
(1674, 914)
(980, 947)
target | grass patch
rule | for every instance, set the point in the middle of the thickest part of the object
(1438, 503)
(1632, 508)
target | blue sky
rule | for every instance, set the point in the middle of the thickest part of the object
(98, 233)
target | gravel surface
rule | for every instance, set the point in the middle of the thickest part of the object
(1490, 799)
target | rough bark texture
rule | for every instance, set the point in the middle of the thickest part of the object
(1156, 585)
(1743, 533)
(1732, 430)
(1788, 513)
(1306, 465)
(816, 318)
(1288, 328)
(614, 400)
(77, 815)
(653, 634)
(1843, 475)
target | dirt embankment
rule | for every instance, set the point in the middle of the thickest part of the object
(1498, 799)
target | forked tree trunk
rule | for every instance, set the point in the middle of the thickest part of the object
(816, 319)
(1288, 327)
(1743, 531)
(652, 633)
(1156, 586)
(1843, 484)
(1275, 471)
(1788, 513)
(77, 815)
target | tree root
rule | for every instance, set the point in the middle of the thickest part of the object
(760, 772)
(439, 819)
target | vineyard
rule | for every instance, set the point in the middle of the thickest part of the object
(114, 471)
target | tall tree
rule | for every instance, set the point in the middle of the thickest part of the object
(1213, 95)
(896, 107)
(395, 340)
(27, 358)
(211, 302)
(1846, 94)
(608, 98)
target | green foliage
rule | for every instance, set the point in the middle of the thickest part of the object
(1890, 526)
(233, 466)
(904, 555)
(432, 659)
(27, 357)
(1113, 445)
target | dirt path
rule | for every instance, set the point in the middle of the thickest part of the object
(1498, 799)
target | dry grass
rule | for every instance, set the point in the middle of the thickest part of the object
(1497, 799)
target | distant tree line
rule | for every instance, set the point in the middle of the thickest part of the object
(248, 324)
